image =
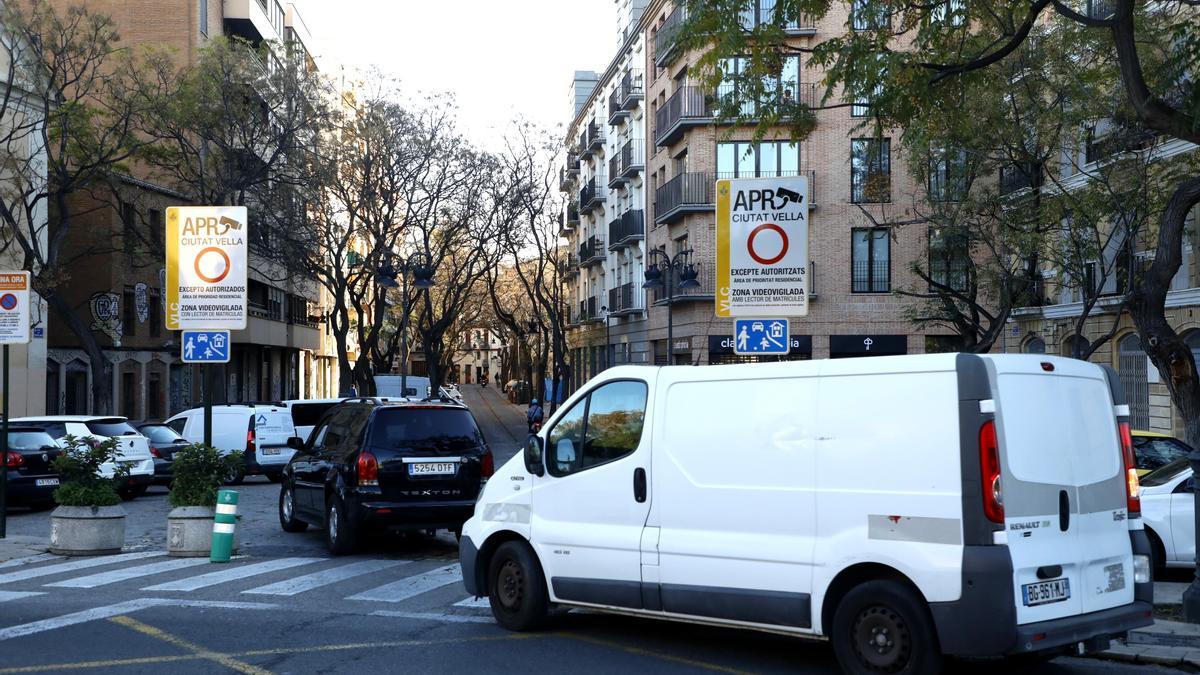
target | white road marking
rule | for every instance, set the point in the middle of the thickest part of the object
(5, 596)
(409, 587)
(74, 565)
(475, 603)
(126, 573)
(232, 574)
(325, 577)
(19, 562)
(441, 618)
(118, 609)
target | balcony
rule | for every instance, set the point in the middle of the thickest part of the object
(702, 293)
(728, 103)
(633, 158)
(568, 173)
(626, 299)
(688, 107)
(616, 112)
(591, 252)
(570, 218)
(683, 194)
(628, 228)
(254, 20)
(615, 177)
(632, 89)
(595, 137)
(585, 153)
(588, 311)
(1020, 176)
(812, 181)
(593, 194)
(804, 25)
(665, 51)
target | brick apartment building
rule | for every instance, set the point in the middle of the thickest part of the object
(116, 287)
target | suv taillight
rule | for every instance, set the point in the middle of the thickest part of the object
(368, 469)
(989, 468)
(1132, 487)
(488, 465)
(15, 459)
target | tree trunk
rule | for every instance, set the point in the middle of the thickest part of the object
(102, 372)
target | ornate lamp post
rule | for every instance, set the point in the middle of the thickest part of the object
(667, 268)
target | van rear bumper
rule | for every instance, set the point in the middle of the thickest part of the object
(1108, 623)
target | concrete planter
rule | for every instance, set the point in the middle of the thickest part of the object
(189, 531)
(87, 530)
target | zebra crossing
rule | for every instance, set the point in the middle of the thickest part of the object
(361, 585)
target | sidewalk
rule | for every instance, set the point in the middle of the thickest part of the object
(1167, 642)
(14, 547)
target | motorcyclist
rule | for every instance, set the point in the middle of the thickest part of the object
(533, 416)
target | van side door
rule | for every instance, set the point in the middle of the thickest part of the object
(590, 508)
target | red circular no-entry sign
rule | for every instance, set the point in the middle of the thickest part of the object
(218, 277)
(759, 230)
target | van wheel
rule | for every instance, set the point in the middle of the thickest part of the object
(517, 587)
(287, 511)
(340, 536)
(883, 627)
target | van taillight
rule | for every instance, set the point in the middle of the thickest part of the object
(989, 468)
(488, 465)
(368, 469)
(1132, 487)
(251, 446)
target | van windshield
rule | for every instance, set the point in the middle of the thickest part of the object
(437, 429)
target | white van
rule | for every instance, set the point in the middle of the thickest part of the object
(905, 507)
(260, 432)
(415, 386)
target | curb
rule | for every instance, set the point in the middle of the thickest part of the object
(18, 547)
(1153, 655)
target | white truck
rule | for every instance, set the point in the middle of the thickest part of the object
(904, 507)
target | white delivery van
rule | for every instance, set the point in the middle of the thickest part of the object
(904, 507)
(261, 432)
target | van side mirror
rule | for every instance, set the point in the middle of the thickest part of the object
(534, 450)
(295, 443)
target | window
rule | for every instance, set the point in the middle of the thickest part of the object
(1134, 371)
(609, 424)
(949, 13)
(947, 174)
(275, 301)
(866, 15)
(1035, 345)
(157, 228)
(786, 87)
(129, 228)
(1154, 453)
(128, 313)
(178, 424)
(870, 170)
(862, 102)
(949, 264)
(757, 160)
(204, 18)
(872, 264)
(155, 317)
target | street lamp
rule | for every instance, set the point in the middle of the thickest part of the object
(607, 338)
(666, 268)
(418, 264)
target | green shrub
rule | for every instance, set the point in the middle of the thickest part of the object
(199, 470)
(78, 467)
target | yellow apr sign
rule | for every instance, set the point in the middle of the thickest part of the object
(207, 265)
(762, 247)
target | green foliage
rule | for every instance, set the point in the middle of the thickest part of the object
(78, 468)
(199, 470)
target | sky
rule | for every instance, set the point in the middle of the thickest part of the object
(501, 59)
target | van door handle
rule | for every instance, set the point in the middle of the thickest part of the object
(639, 485)
(1064, 511)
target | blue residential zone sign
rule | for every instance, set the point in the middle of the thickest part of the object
(205, 346)
(761, 337)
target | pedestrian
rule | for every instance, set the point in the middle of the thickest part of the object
(533, 416)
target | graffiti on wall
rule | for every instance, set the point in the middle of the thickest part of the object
(106, 315)
(141, 301)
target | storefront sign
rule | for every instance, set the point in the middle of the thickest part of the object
(868, 345)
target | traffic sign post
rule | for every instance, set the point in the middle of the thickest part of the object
(762, 247)
(14, 330)
(761, 337)
(206, 347)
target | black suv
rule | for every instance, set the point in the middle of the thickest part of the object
(411, 466)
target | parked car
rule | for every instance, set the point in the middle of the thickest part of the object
(133, 448)
(31, 479)
(1169, 514)
(164, 442)
(825, 498)
(414, 466)
(259, 431)
(1153, 450)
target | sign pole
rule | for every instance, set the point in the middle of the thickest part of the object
(4, 452)
(208, 403)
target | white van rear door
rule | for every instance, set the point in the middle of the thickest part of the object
(1064, 494)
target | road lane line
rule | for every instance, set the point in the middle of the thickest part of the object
(49, 570)
(20, 562)
(308, 582)
(204, 653)
(6, 596)
(232, 574)
(75, 618)
(413, 586)
(126, 573)
(475, 603)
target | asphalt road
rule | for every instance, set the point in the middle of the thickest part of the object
(286, 606)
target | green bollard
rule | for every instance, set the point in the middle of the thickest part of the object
(223, 523)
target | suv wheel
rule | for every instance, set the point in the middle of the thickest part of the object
(340, 535)
(287, 511)
(517, 587)
(884, 627)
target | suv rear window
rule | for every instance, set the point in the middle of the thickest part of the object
(111, 428)
(439, 429)
(308, 414)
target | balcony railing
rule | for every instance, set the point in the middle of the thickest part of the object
(592, 251)
(685, 193)
(592, 194)
(632, 89)
(871, 276)
(703, 292)
(595, 137)
(570, 217)
(1101, 9)
(633, 157)
(664, 40)
(615, 177)
(812, 180)
(804, 25)
(729, 104)
(626, 299)
(585, 152)
(588, 311)
(630, 227)
(616, 111)
(687, 107)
